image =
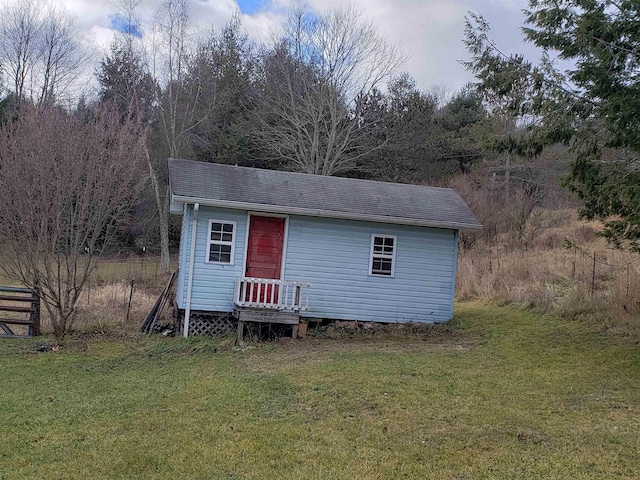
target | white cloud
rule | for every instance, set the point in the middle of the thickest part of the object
(429, 31)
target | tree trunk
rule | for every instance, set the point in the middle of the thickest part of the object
(162, 202)
(507, 178)
(164, 236)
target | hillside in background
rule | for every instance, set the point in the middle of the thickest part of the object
(535, 252)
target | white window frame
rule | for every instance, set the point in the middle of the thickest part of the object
(373, 255)
(210, 242)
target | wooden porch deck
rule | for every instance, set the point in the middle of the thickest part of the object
(262, 315)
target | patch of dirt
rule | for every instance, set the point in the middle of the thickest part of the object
(372, 329)
(80, 341)
(345, 338)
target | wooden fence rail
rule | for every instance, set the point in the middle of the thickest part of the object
(21, 307)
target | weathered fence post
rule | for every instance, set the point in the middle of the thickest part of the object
(35, 330)
(130, 297)
(593, 276)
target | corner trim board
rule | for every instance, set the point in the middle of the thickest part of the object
(192, 256)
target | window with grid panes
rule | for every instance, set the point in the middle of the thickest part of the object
(221, 241)
(383, 254)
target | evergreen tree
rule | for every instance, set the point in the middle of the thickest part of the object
(224, 66)
(598, 107)
(126, 84)
(421, 135)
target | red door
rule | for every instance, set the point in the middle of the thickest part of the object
(264, 254)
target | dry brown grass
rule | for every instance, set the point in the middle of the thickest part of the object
(104, 308)
(537, 269)
(143, 269)
(104, 301)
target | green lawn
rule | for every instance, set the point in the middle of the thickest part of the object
(497, 393)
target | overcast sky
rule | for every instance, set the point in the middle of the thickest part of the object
(429, 31)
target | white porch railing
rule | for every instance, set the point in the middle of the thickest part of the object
(272, 294)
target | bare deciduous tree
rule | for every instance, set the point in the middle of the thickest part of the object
(164, 53)
(170, 51)
(65, 188)
(19, 30)
(146, 72)
(41, 51)
(185, 99)
(311, 80)
(62, 58)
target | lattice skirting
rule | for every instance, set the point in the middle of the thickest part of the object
(209, 323)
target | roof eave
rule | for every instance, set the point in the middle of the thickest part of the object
(310, 212)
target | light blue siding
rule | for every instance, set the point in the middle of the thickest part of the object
(213, 284)
(334, 256)
(183, 260)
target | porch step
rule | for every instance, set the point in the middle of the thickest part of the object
(266, 316)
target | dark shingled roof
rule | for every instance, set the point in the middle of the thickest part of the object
(316, 195)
